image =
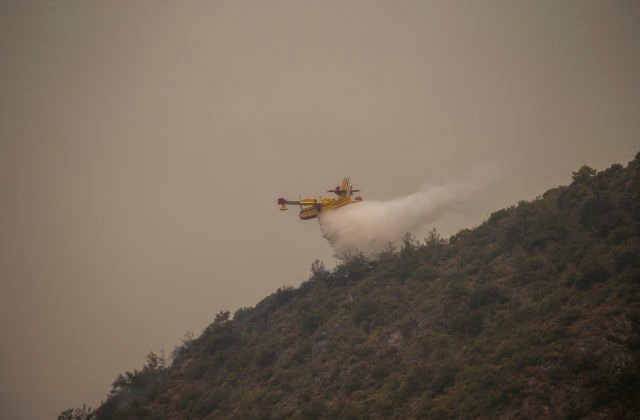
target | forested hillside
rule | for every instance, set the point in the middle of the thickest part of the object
(533, 314)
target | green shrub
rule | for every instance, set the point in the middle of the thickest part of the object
(265, 357)
(362, 310)
(443, 377)
(312, 320)
(592, 272)
(486, 295)
(426, 273)
(627, 258)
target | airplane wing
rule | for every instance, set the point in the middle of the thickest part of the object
(285, 202)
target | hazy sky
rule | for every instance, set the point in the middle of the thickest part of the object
(143, 146)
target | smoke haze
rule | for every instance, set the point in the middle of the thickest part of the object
(369, 226)
(142, 145)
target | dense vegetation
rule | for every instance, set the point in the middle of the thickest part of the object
(534, 313)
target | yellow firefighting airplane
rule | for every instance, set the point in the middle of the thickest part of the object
(310, 208)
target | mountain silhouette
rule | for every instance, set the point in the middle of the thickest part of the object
(533, 314)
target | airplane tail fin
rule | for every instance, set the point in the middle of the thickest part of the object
(345, 189)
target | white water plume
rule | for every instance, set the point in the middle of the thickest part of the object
(369, 226)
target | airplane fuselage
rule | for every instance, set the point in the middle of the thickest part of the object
(311, 211)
